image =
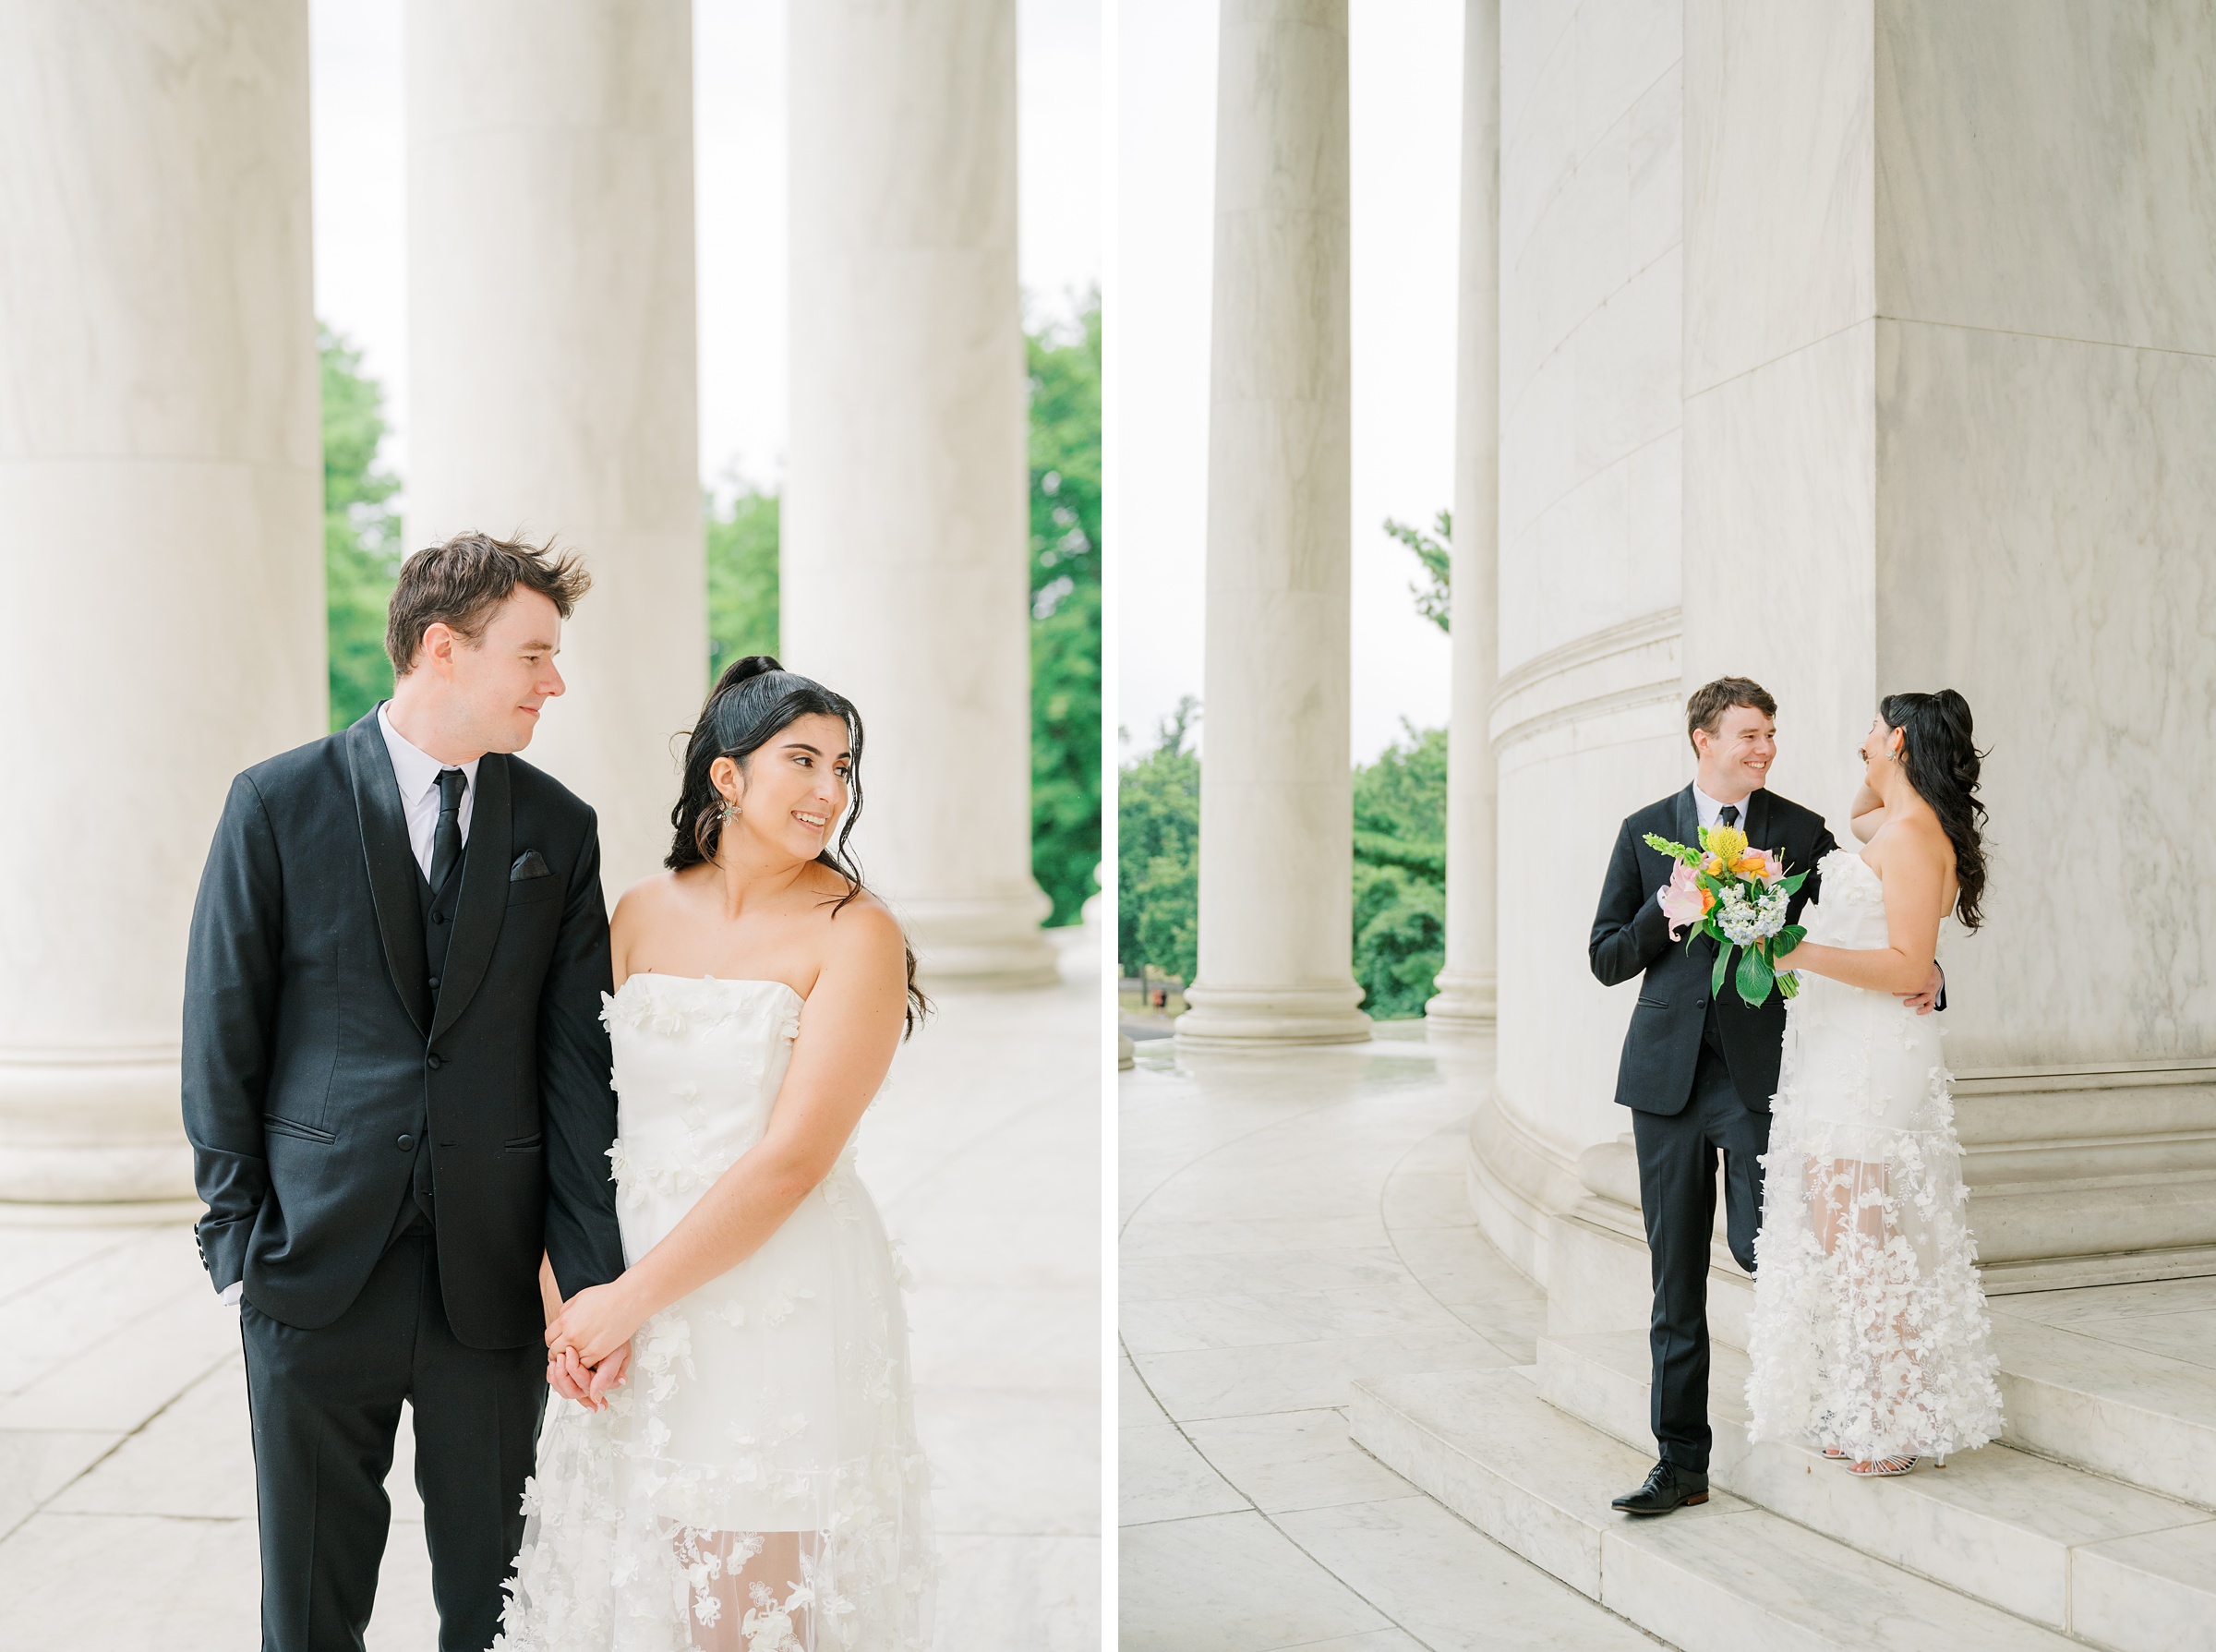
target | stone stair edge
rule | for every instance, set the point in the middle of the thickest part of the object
(2158, 1559)
(1652, 1571)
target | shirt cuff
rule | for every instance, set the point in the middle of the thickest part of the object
(232, 1293)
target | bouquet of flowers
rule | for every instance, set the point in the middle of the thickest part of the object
(1735, 896)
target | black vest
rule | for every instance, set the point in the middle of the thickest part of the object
(418, 1211)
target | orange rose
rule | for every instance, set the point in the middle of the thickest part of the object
(1707, 901)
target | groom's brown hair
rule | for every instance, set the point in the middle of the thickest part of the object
(459, 583)
(1706, 709)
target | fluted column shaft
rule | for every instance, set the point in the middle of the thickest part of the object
(552, 357)
(903, 565)
(1466, 986)
(1276, 804)
(160, 540)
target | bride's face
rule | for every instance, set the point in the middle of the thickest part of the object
(1877, 751)
(794, 788)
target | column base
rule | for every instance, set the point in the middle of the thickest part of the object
(92, 1128)
(994, 941)
(1466, 1007)
(1259, 1018)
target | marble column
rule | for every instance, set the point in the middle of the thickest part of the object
(1276, 798)
(552, 357)
(904, 566)
(1466, 1002)
(161, 619)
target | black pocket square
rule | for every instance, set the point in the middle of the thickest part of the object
(530, 864)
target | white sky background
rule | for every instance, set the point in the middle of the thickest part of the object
(1405, 73)
(738, 179)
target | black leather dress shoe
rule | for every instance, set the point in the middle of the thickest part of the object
(1666, 1488)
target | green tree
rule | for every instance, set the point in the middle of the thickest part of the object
(742, 577)
(1437, 556)
(1158, 850)
(1401, 873)
(1066, 608)
(361, 531)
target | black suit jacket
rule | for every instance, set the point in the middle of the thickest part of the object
(1631, 937)
(313, 1043)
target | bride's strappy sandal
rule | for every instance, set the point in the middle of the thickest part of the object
(1835, 1454)
(1883, 1468)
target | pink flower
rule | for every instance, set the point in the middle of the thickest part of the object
(1684, 900)
(1773, 865)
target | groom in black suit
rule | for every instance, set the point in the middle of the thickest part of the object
(396, 1085)
(1698, 1067)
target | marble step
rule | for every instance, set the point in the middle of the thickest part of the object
(1726, 1577)
(2138, 1415)
(2113, 1564)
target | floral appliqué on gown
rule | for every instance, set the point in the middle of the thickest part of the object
(1870, 1331)
(755, 1484)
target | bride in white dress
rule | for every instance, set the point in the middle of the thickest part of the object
(752, 1478)
(1869, 1338)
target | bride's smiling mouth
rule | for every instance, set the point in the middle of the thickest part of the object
(814, 823)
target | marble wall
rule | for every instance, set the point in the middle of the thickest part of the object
(1956, 397)
(1585, 719)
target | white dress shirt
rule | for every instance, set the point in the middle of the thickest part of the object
(1710, 811)
(417, 772)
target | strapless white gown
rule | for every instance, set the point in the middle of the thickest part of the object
(1869, 1330)
(755, 1482)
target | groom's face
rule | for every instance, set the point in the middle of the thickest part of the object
(1735, 759)
(507, 675)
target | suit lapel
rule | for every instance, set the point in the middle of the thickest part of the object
(393, 869)
(1689, 819)
(1758, 818)
(483, 903)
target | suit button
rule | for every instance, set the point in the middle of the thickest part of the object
(434, 984)
(1697, 1004)
(436, 1061)
(438, 916)
(407, 1144)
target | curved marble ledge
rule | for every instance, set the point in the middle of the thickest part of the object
(1628, 666)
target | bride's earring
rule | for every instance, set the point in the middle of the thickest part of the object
(730, 810)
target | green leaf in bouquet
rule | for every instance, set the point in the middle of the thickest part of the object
(1785, 940)
(1792, 885)
(1755, 978)
(1715, 979)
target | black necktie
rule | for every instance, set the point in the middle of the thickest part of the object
(1729, 814)
(446, 839)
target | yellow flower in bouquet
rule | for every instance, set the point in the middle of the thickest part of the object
(1724, 844)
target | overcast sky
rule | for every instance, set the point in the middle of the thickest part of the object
(1406, 113)
(739, 120)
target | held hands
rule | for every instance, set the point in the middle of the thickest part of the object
(589, 1345)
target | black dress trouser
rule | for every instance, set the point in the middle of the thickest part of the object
(1677, 1195)
(326, 1406)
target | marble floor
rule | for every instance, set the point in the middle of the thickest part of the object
(1292, 1222)
(127, 1492)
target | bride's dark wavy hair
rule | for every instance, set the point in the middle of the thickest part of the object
(753, 702)
(1943, 763)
